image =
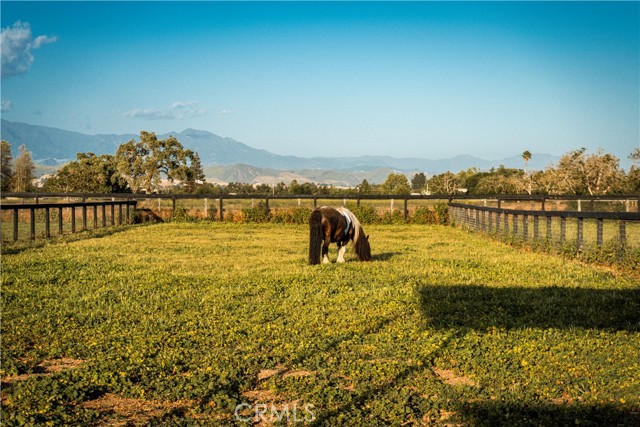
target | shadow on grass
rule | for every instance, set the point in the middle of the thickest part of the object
(481, 307)
(384, 256)
(496, 413)
(13, 248)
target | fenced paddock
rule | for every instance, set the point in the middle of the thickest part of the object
(224, 207)
(45, 220)
(551, 226)
(181, 324)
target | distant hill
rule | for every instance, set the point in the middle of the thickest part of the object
(254, 175)
(242, 163)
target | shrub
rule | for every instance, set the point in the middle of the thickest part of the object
(393, 217)
(365, 214)
(143, 215)
(296, 215)
(424, 215)
(181, 214)
(258, 213)
(442, 213)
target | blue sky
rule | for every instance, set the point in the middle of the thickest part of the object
(417, 79)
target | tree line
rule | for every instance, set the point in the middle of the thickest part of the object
(141, 166)
(577, 172)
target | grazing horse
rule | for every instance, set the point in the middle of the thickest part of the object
(328, 225)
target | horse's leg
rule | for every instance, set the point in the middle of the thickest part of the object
(341, 251)
(325, 252)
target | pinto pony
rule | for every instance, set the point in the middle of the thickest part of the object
(328, 225)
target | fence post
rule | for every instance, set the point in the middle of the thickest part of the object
(525, 227)
(104, 215)
(47, 223)
(15, 225)
(506, 222)
(113, 214)
(563, 229)
(266, 203)
(406, 209)
(32, 217)
(221, 209)
(599, 233)
(536, 230)
(315, 202)
(622, 230)
(549, 225)
(579, 236)
(73, 219)
(120, 213)
(498, 222)
(84, 217)
(490, 222)
(206, 208)
(95, 216)
(173, 207)
(60, 225)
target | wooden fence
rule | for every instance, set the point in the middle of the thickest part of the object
(517, 222)
(221, 204)
(59, 208)
(582, 203)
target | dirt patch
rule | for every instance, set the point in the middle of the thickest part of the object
(282, 372)
(272, 405)
(447, 376)
(124, 411)
(46, 368)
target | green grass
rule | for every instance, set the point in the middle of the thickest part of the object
(443, 327)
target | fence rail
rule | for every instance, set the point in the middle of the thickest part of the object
(498, 220)
(215, 206)
(58, 208)
(631, 202)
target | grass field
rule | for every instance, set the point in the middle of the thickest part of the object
(226, 324)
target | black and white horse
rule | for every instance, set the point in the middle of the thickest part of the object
(328, 225)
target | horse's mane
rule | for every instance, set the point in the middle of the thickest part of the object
(357, 227)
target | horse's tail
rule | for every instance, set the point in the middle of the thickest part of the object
(315, 237)
(363, 249)
(360, 240)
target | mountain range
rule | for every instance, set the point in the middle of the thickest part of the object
(228, 160)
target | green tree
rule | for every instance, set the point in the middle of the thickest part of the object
(88, 174)
(444, 183)
(143, 163)
(418, 181)
(364, 187)
(396, 183)
(294, 187)
(23, 171)
(632, 184)
(528, 182)
(579, 173)
(526, 156)
(5, 167)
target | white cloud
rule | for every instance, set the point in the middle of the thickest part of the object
(16, 45)
(177, 111)
(225, 112)
(6, 106)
